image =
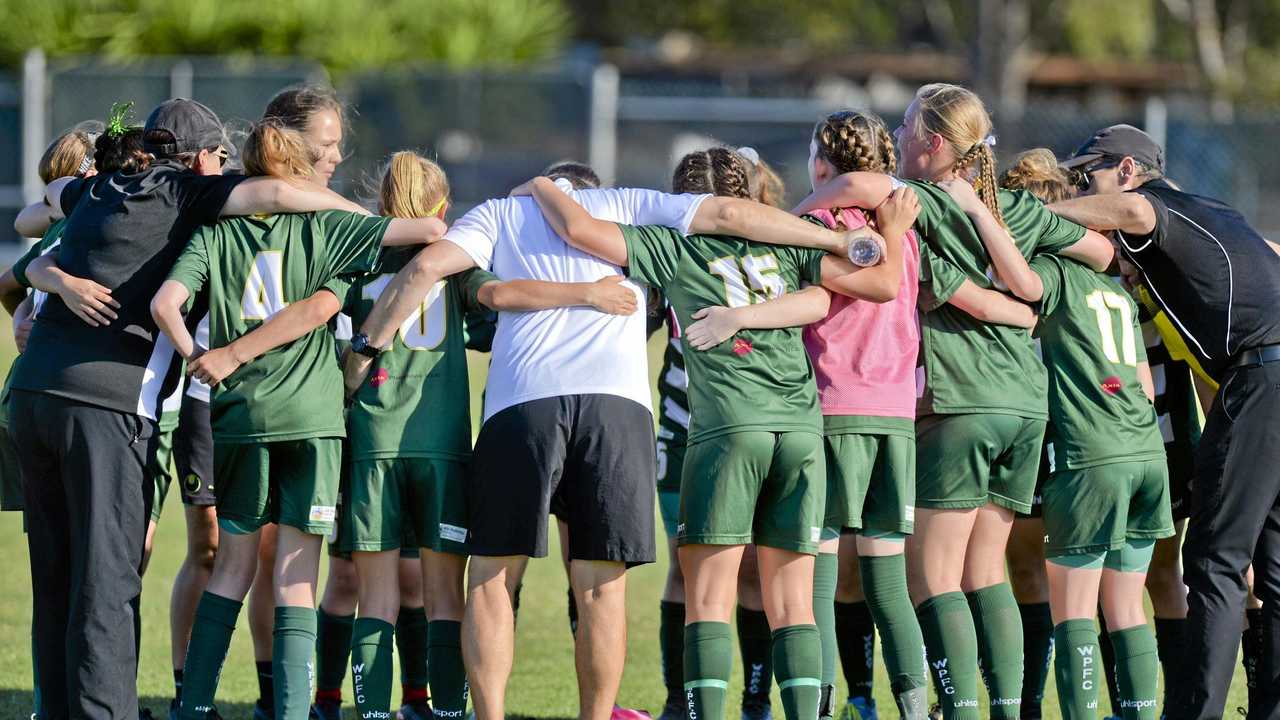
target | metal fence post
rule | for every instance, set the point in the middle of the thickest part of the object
(602, 148)
(1156, 121)
(34, 122)
(182, 77)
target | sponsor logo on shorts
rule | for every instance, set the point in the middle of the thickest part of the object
(680, 529)
(741, 346)
(191, 482)
(323, 513)
(453, 533)
(379, 376)
(1112, 385)
(909, 512)
(815, 534)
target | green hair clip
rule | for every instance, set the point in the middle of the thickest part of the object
(119, 119)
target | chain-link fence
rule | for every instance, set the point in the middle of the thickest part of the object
(492, 130)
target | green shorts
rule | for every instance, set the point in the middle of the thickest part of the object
(290, 482)
(158, 468)
(10, 473)
(967, 461)
(670, 463)
(1096, 509)
(871, 482)
(394, 502)
(754, 487)
(669, 509)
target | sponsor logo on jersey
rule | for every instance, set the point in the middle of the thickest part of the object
(323, 513)
(1112, 385)
(380, 376)
(741, 346)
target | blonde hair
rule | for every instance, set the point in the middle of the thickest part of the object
(1037, 172)
(412, 187)
(66, 155)
(853, 141)
(959, 117)
(766, 186)
(274, 149)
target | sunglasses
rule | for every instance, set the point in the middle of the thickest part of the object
(222, 155)
(1082, 177)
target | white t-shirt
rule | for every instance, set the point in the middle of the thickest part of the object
(567, 351)
(197, 390)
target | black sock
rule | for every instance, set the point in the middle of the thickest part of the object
(1108, 653)
(266, 685)
(755, 642)
(1252, 642)
(671, 640)
(177, 684)
(573, 614)
(856, 638)
(1037, 653)
(1171, 641)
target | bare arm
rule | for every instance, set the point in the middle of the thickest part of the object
(1148, 385)
(1205, 393)
(22, 322)
(90, 301)
(11, 292)
(1007, 259)
(855, 189)
(764, 224)
(33, 220)
(53, 197)
(266, 195)
(576, 226)
(166, 309)
(878, 283)
(991, 306)
(296, 320)
(608, 295)
(1093, 250)
(1128, 212)
(716, 324)
(414, 231)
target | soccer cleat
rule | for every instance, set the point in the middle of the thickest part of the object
(756, 710)
(145, 714)
(262, 712)
(415, 711)
(672, 711)
(621, 713)
(935, 712)
(174, 707)
(327, 709)
(859, 708)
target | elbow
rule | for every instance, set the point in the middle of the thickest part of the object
(886, 289)
(728, 215)
(1028, 289)
(492, 295)
(159, 312)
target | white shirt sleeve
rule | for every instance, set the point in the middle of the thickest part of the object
(477, 232)
(635, 206)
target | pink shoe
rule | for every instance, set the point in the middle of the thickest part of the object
(621, 713)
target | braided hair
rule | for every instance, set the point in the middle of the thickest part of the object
(959, 117)
(718, 171)
(853, 141)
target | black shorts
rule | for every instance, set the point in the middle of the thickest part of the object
(193, 453)
(593, 453)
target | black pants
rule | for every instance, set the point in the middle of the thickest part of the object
(1235, 521)
(87, 503)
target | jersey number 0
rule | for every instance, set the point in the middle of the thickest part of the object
(425, 328)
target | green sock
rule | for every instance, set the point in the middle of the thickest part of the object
(292, 650)
(952, 644)
(671, 641)
(447, 676)
(371, 665)
(1076, 667)
(884, 582)
(708, 655)
(797, 664)
(333, 643)
(206, 651)
(999, 630)
(825, 569)
(1136, 671)
(754, 643)
(411, 643)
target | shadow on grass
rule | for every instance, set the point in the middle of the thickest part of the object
(18, 704)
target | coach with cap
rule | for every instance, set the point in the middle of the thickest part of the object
(1218, 280)
(86, 400)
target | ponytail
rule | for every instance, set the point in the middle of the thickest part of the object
(1037, 172)
(412, 187)
(959, 117)
(279, 151)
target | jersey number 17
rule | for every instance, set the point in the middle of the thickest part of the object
(1103, 303)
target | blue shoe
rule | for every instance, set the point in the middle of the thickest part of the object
(672, 711)
(262, 712)
(859, 708)
(415, 711)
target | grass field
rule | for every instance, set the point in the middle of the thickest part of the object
(542, 685)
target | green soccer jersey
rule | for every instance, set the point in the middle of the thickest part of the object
(1091, 341)
(252, 267)
(416, 402)
(971, 366)
(51, 238)
(760, 379)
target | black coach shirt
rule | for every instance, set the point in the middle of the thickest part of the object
(123, 231)
(1211, 272)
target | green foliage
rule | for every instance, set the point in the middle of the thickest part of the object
(1104, 29)
(344, 35)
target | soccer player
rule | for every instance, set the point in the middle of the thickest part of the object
(981, 411)
(754, 421)
(1107, 499)
(271, 465)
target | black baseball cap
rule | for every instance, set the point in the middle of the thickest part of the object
(1119, 141)
(182, 126)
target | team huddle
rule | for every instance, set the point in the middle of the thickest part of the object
(929, 402)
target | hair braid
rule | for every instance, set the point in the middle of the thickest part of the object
(853, 141)
(719, 171)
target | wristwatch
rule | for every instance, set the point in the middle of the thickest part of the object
(360, 344)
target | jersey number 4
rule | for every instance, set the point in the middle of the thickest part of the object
(425, 328)
(1103, 303)
(749, 279)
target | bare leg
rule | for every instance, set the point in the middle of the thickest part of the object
(600, 589)
(192, 578)
(488, 631)
(262, 602)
